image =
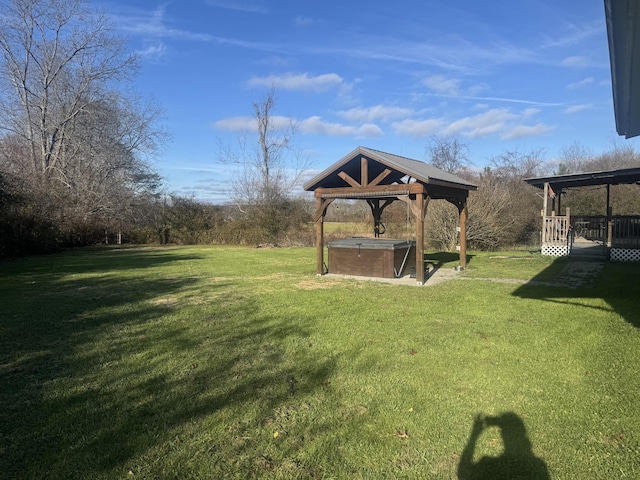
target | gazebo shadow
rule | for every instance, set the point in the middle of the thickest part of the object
(435, 261)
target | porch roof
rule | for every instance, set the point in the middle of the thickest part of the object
(605, 177)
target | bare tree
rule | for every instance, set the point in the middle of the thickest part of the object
(58, 58)
(448, 153)
(83, 143)
(573, 159)
(624, 199)
(268, 171)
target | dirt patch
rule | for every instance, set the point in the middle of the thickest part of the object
(316, 285)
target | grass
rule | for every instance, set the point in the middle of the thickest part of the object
(228, 362)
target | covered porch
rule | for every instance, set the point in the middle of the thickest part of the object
(615, 237)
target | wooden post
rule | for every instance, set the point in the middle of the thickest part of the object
(419, 238)
(609, 221)
(320, 236)
(545, 196)
(376, 212)
(321, 210)
(364, 171)
(463, 234)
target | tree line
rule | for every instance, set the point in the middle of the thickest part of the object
(77, 143)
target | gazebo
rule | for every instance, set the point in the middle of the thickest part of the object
(380, 179)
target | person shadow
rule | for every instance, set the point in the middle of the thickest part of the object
(517, 460)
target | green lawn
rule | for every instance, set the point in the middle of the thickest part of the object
(229, 362)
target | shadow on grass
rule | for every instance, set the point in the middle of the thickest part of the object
(99, 259)
(440, 259)
(517, 459)
(569, 279)
(96, 373)
(437, 260)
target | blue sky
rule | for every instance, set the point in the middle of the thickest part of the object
(521, 75)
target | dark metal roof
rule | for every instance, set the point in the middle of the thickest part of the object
(379, 161)
(607, 177)
(623, 32)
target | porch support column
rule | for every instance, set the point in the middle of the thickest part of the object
(463, 234)
(609, 222)
(419, 213)
(545, 196)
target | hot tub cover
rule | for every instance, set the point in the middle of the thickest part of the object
(371, 243)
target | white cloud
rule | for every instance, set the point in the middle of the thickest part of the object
(442, 85)
(236, 124)
(153, 51)
(318, 126)
(249, 124)
(302, 21)
(311, 125)
(497, 122)
(477, 89)
(488, 123)
(530, 112)
(581, 83)
(377, 112)
(576, 34)
(576, 61)
(522, 131)
(577, 108)
(250, 7)
(417, 128)
(302, 81)
(154, 25)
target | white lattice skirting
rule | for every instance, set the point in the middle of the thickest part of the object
(555, 250)
(625, 255)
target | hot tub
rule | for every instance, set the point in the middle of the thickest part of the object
(371, 257)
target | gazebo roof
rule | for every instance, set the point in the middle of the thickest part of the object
(604, 177)
(400, 167)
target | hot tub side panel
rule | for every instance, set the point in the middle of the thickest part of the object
(369, 262)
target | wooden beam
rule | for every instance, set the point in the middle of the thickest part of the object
(347, 178)
(364, 171)
(379, 178)
(350, 192)
(321, 208)
(415, 207)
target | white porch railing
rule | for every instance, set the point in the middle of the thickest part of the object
(556, 230)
